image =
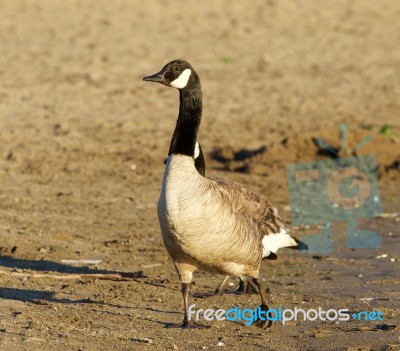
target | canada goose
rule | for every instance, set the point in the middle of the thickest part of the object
(211, 224)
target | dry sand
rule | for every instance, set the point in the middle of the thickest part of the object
(82, 144)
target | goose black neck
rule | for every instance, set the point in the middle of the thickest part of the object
(185, 134)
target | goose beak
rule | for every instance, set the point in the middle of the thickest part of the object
(158, 78)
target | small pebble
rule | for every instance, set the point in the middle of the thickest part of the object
(392, 260)
(220, 344)
(133, 167)
(144, 340)
(382, 256)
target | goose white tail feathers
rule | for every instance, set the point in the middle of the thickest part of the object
(273, 242)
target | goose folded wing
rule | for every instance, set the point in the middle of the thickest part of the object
(255, 208)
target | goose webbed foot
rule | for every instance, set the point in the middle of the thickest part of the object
(203, 295)
(188, 324)
(261, 323)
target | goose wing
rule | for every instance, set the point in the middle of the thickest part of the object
(264, 219)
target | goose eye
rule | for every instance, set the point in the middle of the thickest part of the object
(177, 68)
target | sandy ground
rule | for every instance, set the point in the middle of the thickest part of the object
(82, 144)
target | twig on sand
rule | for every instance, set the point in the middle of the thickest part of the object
(82, 261)
(108, 276)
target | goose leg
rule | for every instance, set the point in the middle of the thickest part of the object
(265, 302)
(187, 323)
(246, 286)
(221, 287)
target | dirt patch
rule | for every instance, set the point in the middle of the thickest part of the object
(318, 145)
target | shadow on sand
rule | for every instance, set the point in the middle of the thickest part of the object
(37, 296)
(49, 266)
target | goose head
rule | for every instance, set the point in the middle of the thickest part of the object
(177, 74)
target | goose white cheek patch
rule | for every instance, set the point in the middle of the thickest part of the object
(182, 80)
(197, 150)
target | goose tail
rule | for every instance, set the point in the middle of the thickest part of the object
(273, 242)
